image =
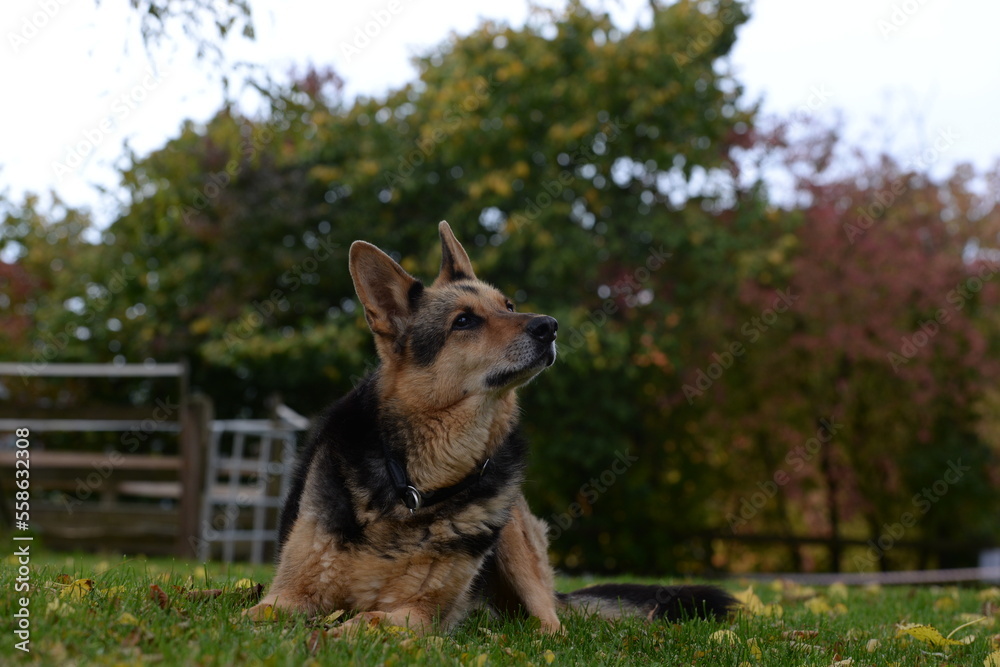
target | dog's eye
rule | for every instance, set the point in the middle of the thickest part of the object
(464, 321)
(510, 306)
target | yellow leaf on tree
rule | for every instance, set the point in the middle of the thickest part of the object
(925, 633)
(78, 589)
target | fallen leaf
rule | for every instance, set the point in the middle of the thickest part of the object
(314, 641)
(753, 605)
(799, 634)
(925, 633)
(837, 591)
(64, 579)
(945, 604)
(549, 656)
(78, 589)
(796, 592)
(157, 595)
(754, 649)
(127, 619)
(992, 660)
(992, 593)
(330, 619)
(871, 645)
(724, 636)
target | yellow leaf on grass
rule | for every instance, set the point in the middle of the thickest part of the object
(723, 637)
(925, 633)
(753, 605)
(992, 660)
(549, 656)
(127, 619)
(754, 649)
(818, 605)
(78, 589)
(945, 604)
(992, 593)
(749, 599)
(265, 614)
(332, 618)
(837, 591)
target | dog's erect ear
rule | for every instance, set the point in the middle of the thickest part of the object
(387, 292)
(455, 264)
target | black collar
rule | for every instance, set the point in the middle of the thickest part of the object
(414, 499)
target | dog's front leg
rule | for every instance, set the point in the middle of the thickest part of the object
(522, 563)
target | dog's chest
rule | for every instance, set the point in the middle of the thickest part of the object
(404, 559)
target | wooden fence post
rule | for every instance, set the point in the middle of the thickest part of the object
(196, 434)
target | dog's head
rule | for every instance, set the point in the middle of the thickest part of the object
(459, 337)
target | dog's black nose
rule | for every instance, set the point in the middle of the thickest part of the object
(543, 328)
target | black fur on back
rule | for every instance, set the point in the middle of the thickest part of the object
(671, 603)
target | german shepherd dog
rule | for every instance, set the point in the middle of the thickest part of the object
(407, 506)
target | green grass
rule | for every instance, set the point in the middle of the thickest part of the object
(119, 622)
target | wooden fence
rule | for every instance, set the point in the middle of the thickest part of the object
(148, 503)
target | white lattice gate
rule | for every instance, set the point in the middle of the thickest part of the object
(247, 475)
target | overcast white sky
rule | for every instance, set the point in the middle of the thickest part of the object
(72, 72)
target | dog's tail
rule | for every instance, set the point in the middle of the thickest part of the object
(671, 603)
